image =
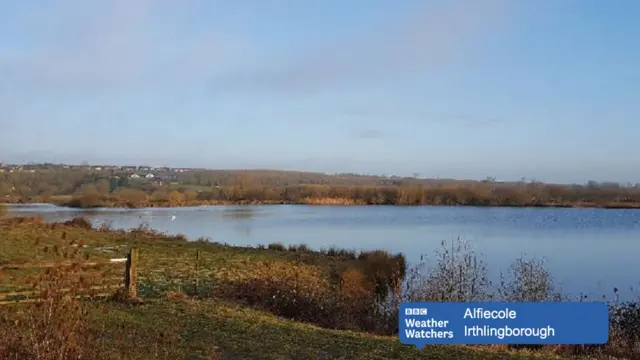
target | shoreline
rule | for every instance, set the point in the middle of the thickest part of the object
(329, 293)
(90, 189)
(57, 201)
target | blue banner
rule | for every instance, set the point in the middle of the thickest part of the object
(426, 323)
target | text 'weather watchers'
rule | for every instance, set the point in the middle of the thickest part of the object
(503, 323)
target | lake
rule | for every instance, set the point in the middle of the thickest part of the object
(587, 250)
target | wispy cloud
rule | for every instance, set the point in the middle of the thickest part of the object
(118, 44)
(109, 45)
(425, 38)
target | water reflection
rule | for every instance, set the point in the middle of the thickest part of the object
(588, 250)
(241, 213)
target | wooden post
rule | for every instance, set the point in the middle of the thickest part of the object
(197, 267)
(130, 273)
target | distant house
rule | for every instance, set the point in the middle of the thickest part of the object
(149, 176)
(134, 176)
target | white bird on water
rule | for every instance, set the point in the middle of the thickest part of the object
(173, 217)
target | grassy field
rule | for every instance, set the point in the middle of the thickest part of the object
(201, 300)
(231, 331)
(177, 328)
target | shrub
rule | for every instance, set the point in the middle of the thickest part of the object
(277, 247)
(86, 201)
(79, 222)
(458, 275)
(624, 335)
(302, 248)
(340, 253)
(303, 293)
(54, 326)
(132, 197)
(528, 280)
(290, 290)
(384, 270)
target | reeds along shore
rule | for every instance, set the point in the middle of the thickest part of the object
(86, 188)
(479, 194)
(331, 288)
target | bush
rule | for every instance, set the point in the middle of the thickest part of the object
(528, 280)
(277, 247)
(87, 201)
(384, 270)
(303, 293)
(624, 335)
(290, 290)
(55, 326)
(302, 248)
(458, 275)
(79, 222)
(340, 253)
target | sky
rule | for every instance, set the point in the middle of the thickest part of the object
(546, 90)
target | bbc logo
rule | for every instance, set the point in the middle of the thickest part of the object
(415, 311)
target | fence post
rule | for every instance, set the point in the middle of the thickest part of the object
(197, 268)
(130, 273)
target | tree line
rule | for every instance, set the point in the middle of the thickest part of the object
(86, 188)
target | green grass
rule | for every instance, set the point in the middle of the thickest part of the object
(241, 333)
(160, 256)
(174, 326)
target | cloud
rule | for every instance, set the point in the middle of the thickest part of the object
(421, 41)
(108, 46)
(111, 45)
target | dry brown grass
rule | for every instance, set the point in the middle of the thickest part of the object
(335, 289)
(54, 325)
(331, 201)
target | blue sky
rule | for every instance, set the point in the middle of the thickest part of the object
(466, 89)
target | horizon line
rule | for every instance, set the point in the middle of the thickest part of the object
(382, 175)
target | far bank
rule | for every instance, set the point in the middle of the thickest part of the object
(91, 188)
(109, 201)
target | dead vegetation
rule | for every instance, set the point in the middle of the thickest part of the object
(84, 188)
(333, 289)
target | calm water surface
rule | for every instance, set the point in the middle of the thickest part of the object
(587, 250)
